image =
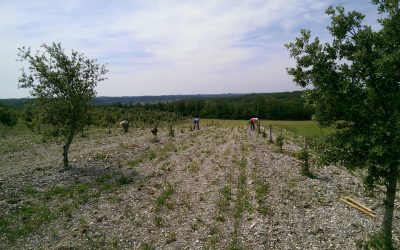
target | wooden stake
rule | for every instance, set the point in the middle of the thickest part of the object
(270, 133)
(358, 206)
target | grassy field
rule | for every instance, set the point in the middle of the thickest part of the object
(297, 128)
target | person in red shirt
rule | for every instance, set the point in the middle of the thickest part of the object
(253, 122)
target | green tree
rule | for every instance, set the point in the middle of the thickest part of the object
(63, 86)
(110, 120)
(355, 82)
(7, 116)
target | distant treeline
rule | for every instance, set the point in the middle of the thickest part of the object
(274, 106)
(108, 100)
(125, 100)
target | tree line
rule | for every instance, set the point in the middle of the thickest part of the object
(272, 106)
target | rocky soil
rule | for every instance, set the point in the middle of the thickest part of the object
(218, 188)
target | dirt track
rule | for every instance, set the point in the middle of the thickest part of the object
(216, 188)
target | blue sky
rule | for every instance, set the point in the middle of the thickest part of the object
(161, 47)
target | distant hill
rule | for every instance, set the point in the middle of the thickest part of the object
(109, 100)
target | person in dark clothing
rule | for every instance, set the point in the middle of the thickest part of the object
(196, 123)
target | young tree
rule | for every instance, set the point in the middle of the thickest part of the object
(355, 82)
(7, 116)
(63, 86)
(110, 120)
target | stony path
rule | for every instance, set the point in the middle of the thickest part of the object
(218, 188)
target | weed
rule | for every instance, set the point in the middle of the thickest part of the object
(103, 178)
(13, 200)
(123, 180)
(376, 241)
(114, 243)
(261, 196)
(146, 155)
(29, 190)
(27, 217)
(194, 227)
(219, 218)
(24, 220)
(170, 237)
(66, 209)
(226, 193)
(235, 245)
(158, 185)
(81, 188)
(114, 198)
(146, 246)
(158, 221)
(162, 198)
(243, 163)
(223, 202)
(193, 167)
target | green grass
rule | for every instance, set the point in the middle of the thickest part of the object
(158, 221)
(164, 196)
(242, 203)
(225, 198)
(144, 156)
(40, 207)
(261, 197)
(298, 128)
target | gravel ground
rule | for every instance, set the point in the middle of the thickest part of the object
(216, 188)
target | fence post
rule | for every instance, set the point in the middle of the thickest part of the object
(270, 133)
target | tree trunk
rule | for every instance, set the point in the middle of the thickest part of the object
(389, 207)
(65, 150)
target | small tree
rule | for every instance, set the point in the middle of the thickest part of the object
(355, 82)
(63, 86)
(154, 131)
(7, 116)
(110, 119)
(171, 132)
(280, 142)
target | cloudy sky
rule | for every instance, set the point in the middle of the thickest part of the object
(160, 47)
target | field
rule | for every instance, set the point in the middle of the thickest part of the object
(223, 187)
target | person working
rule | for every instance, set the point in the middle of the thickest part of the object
(196, 123)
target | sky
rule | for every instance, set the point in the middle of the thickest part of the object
(165, 47)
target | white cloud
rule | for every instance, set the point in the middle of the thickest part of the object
(156, 47)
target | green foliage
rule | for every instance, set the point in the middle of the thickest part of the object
(304, 156)
(280, 142)
(284, 106)
(63, 87)
(8, 117)
(376, 242)
(355, 87)
(171, 132)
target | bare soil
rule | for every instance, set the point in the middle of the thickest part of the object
(217, 188)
